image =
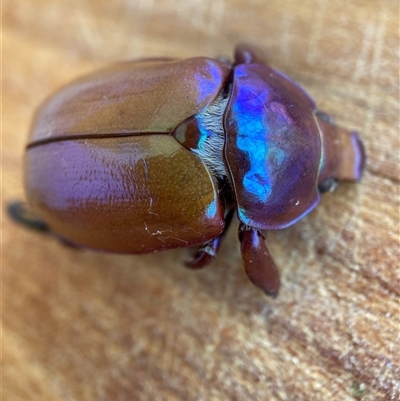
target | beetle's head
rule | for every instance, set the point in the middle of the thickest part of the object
(343, 154)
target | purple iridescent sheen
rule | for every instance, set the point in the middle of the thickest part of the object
(105, 193)
(207, 80)
(156, 154)
(130, 98)
(271, 147)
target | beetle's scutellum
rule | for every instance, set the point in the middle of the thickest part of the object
(159, 153)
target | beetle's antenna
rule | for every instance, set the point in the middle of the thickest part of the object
(22, 214)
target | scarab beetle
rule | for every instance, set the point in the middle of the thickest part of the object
(159, 153)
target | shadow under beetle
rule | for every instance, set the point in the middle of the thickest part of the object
(159, 153)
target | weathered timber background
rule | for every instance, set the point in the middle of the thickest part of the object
(79, 325)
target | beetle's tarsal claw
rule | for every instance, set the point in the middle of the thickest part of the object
(208, 251)
(200, 260)
(22, 214)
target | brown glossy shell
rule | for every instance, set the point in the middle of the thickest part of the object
(129, 195)
(132, 97)
(102, 170)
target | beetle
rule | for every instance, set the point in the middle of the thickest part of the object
(155, 154)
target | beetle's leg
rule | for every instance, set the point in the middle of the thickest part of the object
(246, 54)
(258, 263)
(208, 251)
(22, 214)
(225, 60)
(343, 155)
(67, 242)
(327, 185)
(325, 117)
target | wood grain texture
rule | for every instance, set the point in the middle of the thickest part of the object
(79, 325)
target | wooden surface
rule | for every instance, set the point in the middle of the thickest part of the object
(79, 325)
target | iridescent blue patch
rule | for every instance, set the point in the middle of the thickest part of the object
(206, 80)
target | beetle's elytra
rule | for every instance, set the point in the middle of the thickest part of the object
(159, 153)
